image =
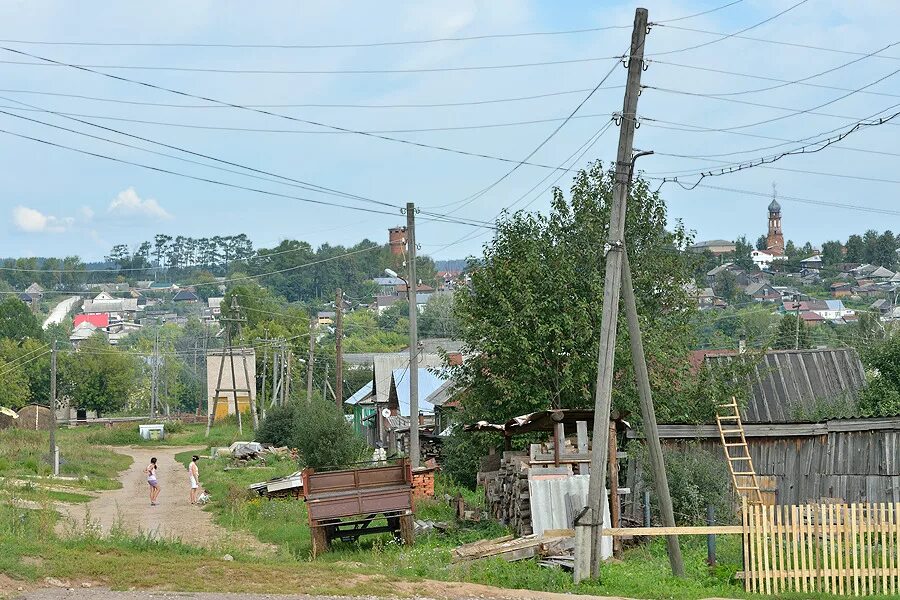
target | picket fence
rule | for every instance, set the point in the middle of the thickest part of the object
(843, 549)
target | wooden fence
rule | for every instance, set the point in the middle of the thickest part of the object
(845, 549)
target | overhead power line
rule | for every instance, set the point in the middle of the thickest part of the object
(214, 181)
(766, 78)
(310, 104)
(725, 36)
(775, 42)
(809, 148)
(305, 131)
(469, 38)
(483, 191)
(264, 111)
(570, 61)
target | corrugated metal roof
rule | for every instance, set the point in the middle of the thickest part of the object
(360, 394)
(428, 384)
(789, 383)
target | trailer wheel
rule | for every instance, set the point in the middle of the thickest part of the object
(319, 540)
(407, 530)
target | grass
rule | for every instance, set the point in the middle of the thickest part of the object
(24, 454)
(223, 433)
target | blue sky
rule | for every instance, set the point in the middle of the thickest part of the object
(56, 202)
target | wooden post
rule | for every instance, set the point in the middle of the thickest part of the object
(648, 418)
(412, 288)
(614, 505)
(559, 441)
(310, 362)
(338, 351)
(54, 456)
(611, 289)
(582, 433)
(265, 369)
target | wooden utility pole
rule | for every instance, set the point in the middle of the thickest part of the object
(797, 330)
(287, 380)
(338, 351)
(265, 372)
(276, 374)
(611, 290)
(648, 418)
(310, 362)
(412, 287)
(54, 456)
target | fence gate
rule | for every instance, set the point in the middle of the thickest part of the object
(848, 549)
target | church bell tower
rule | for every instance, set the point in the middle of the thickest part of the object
(775, 239)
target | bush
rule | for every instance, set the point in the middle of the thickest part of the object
(462, 453)
(697, 478)
(318, 430)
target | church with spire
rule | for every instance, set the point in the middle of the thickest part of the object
(775, 238)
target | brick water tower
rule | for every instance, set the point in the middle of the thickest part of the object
(397, 239)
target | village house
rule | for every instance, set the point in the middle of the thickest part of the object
(186, 296)
(119, 309)
(715, 247)
(763, 292)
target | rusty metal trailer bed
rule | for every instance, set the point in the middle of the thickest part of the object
(347, 504)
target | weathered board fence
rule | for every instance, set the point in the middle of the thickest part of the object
(845, 549)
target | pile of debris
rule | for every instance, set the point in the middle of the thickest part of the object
(251, 451)
(553, 545)
(280, 487)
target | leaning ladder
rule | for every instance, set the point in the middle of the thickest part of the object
(737, 453)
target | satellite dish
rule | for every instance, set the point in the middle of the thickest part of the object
(385, 413)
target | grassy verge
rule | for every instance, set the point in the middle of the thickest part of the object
(223, 433)
(24, 454)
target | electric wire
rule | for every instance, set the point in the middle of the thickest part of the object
(479, 194)
(222, 71)
(730, 35)
(263, 111)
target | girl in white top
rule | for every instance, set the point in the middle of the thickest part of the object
(153, 481)
(194, 473)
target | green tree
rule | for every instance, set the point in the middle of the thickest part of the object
(304, 425)
(856, 249)
(881, 397)
(832, 253)
(531, 318)
(438, 320)
(742, 250)
(17, 322)
(98, 376)
(786, 334)
(726, 286)
(762, 243)
(14, 390)
(790, 250)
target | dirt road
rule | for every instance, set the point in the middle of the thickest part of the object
(426, 590)
(60, 311)
(174, 517)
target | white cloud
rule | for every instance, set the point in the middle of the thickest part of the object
(87, 213)
(129, 204)
(34, 221)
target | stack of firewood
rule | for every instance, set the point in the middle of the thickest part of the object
(506, 493)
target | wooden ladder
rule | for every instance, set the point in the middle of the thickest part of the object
(737, 453)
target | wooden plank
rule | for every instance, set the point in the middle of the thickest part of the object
(882, 518)
(760, 547)
(839, 519)
(796, 564)
(800, 519)
(656, 531)
(765, 554)
(832, 546)
(778, 555)
(854, 537)
(745, 530)
(824, 542)
(892, 544)
(869, 519)
(581, 429)
(861, 516)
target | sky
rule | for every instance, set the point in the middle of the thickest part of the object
(55, 201)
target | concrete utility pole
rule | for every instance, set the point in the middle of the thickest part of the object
(412, 287)
(338, 351)
(154, 375)
(611, 289)
(54, 453)
(311, 360)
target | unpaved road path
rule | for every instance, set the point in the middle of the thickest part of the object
(59, 312)
(173, 518)
(425, 591)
